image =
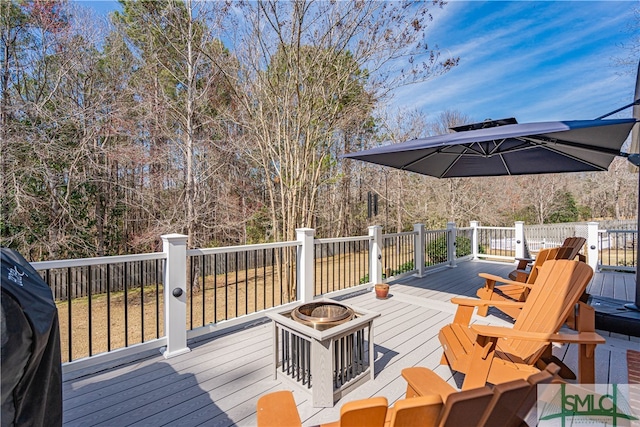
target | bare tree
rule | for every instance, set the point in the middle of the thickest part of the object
(305, 69)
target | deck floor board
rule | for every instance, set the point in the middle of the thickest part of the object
(220, 380)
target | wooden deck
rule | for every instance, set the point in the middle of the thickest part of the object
(219, 381)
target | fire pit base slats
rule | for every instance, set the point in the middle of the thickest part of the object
(296, 357)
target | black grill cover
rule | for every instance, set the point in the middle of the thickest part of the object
(31, 365)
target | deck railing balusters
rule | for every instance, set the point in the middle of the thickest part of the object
(255, 280)
(69, 317)
(142, 284)
(235, 284)
(340, 264)
(225, 294)
(215, 287)
(617, 249)
(108, 307)
(89, 312)
(203, 276)
(125, 278)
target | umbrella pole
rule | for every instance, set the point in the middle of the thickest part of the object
(634, 158)
(636, 304)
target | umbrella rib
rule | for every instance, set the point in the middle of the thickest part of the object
(545, 141)
(498, 145)
(408, 165)
(495, 149)
(438, 151)
(426, 156)
(577, 159)
(505, 165)
(480, 152)
(443, 174)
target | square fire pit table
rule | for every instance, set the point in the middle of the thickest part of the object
(327, 363)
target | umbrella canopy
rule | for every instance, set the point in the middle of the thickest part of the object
(505, 147)
(495, 148)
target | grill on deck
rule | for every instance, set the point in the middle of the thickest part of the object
(324, 347)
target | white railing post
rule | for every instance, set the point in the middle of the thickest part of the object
(175, 297)
(419, 241)
(375, 253)
(305, 264)
(592, 245)
(474, 238)
(451, 244)
(520, 239)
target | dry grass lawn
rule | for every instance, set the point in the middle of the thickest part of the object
(108, 323)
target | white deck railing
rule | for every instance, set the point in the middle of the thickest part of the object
(184, 284)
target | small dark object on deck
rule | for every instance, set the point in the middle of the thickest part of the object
(613, 317)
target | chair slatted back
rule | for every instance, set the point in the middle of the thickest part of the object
(416, 411)
(571, 247)
(559, 285)
(466, 408)
(543, 255)
(364, 413)
(507, 398)
(286, 416)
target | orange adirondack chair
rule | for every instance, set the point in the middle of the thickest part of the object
(512, 290)
(570, 249)
(419, 411)
(362, 413)
(277, 409)
(430, 402)
(476, 351)
(509, 404)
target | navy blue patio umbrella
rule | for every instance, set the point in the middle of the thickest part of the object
(505, 147)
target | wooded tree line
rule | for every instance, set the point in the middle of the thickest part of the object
(225, 121)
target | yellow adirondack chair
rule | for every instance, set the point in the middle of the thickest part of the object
(476, 351)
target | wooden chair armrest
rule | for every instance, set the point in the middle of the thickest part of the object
(493, 277)
(523, 263)
(579, 338)
(502, 332)
(422, 382)
(469, 302)
(277, 409)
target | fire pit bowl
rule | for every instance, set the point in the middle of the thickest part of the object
(322, 315)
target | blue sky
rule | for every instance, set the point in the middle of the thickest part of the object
(535, 61)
